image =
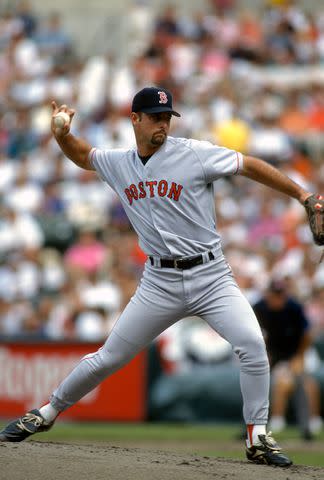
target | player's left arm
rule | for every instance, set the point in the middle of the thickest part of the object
(264, 173)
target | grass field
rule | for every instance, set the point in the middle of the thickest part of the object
(213, 440)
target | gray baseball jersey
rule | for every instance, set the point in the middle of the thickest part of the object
(166, 200)
(170, 202)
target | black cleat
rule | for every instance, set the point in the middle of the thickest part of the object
(30, 423)
(267, 452)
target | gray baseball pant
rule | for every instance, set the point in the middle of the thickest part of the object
(163, 297)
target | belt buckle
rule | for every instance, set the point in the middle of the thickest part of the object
(183, 263)
(176, 263)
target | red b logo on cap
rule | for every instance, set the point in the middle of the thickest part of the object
(163, 97)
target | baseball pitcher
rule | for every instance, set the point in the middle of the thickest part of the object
(166, 186)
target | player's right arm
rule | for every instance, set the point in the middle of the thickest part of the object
(76, 149)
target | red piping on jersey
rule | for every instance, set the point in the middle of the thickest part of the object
(238, 163)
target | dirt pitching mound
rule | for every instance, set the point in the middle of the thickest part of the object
(55, 461)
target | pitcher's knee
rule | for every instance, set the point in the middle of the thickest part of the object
(112, 361)
(103, 362)
(253, 356)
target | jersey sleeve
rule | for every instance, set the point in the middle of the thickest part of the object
(218, 161)
(103, 162)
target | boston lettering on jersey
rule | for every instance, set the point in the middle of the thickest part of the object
(152, 188)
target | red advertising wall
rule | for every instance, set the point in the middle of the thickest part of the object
(30, 372)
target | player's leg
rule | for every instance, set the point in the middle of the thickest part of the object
(136, 328)
(233, 318)
(229, 313)
(150, 311)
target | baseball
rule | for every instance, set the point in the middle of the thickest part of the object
(61, 119)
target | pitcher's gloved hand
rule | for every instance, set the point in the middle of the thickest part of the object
(314, 205)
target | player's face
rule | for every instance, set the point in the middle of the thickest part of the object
(159, 124)
(152, 128)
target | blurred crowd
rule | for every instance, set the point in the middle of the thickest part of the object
(250, 80)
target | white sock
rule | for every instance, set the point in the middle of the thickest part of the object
(49, 413)
(256, 431)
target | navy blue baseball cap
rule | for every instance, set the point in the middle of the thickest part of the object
(153, 100)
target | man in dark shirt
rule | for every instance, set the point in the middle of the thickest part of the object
(286, 331)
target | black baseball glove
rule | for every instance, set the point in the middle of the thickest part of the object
(314, 206)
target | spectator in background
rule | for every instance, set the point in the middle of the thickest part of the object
(52, 204)
(32, 327)
(286, 331)
(28, 18)
(52, 37)
(13, 317)
(233, 133)
(91, 324)
(86, 255)
(25, 196)
(19, 231)
(293, 119)
(249, 41)
(167, 24)
(269, 141)
(266, 226)
(8, 172)
(21, 138)
(10, 25)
